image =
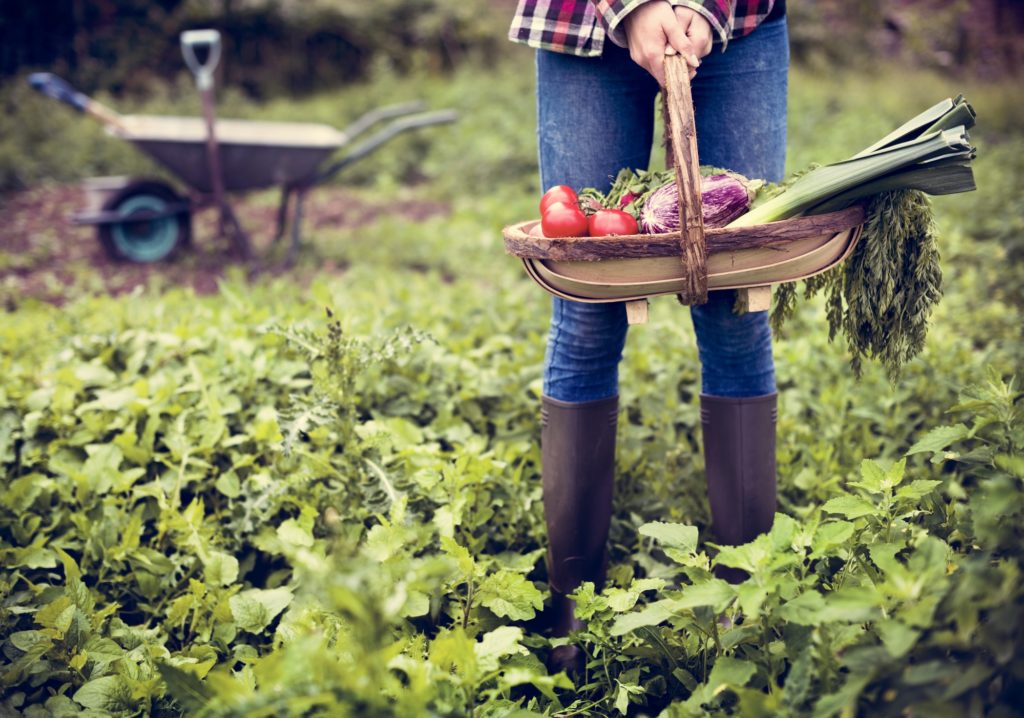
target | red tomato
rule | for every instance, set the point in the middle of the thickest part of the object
(563, 220)
(606, 222)
(558, 193)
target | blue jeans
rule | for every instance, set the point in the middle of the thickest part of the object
(595, 116)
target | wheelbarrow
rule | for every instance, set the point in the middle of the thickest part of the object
(147, 220)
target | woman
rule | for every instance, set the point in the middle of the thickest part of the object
(595, 115)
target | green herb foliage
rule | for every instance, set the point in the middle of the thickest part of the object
(882, 296)
(238, 505)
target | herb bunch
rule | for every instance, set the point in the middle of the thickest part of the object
(882, 297)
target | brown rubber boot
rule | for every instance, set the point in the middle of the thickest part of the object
(739, 459)
(577, 469)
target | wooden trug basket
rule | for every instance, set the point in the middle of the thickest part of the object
(632, 268)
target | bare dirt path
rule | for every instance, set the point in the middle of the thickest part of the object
(43, 255)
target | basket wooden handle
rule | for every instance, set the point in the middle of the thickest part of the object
(682, 132)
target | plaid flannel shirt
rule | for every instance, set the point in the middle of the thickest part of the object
(579, 27)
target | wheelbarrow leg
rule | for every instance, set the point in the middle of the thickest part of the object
(232, 228)
(282, 213)
(293, 250)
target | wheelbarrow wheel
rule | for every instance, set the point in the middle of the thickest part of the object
(148, 240)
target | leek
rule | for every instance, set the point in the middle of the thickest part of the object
(882, 297)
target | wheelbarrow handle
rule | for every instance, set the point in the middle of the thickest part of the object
(369, 119)
(192, 40)
(378, 138)
(61, 90)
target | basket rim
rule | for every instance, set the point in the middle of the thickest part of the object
(519, 242)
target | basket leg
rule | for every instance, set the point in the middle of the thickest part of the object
(636, 311)
(756, 299)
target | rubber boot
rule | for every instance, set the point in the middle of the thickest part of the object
(577, 470)
(739, 458)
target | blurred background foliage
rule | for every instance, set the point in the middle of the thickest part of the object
(301, 46)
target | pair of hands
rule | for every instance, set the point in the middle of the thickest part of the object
(656, 29)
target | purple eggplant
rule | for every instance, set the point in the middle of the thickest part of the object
(724, 197)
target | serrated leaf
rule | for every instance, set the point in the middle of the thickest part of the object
(830, 534)
(57, 615)
(805, 610)
(1011, 464)
(221, 569)
(851, 507)
(460, 553)
(897, 637)
(939, 439)
(497, 644)
(730, 672)
(872, 476)
(506, 593)
(188, 691)
(110, 693)
(623, 599)
(293, 533)
(678, 536)
(917, 489)
(255, 609)
(546, 684)
(29, 640)
(715, 592)
(650, 615)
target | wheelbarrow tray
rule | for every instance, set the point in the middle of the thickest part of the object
(253, 154)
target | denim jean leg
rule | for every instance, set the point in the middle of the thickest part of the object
(594, 117)
(740, 110)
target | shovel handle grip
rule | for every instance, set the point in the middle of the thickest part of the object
(191, 41)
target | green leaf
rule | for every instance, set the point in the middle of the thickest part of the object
(510, 594)
(110, 693)
(715, 592)
(1011, 464)
(872, 476)
(805, 610)
(678, 536)
(229, 485)
(939, 439)
(546, 684)
(294, 533)
(851, 507)
(897, 637)
(57, 615)
(31, 557)
(221, 569)
(253, 610)
(497, 644)
(29, 640)
(829, 535)
(187, 690)
(460, 553)
(917, 489)
(843, 700)
(751, 596)
(730, 672)
(650, 615)
(621, 600)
